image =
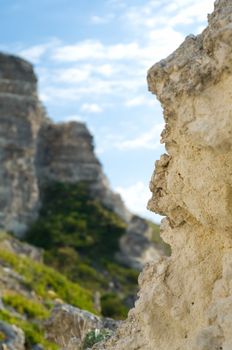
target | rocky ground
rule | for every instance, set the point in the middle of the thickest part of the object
(34, 312)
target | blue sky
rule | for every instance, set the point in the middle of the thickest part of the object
(91, 58)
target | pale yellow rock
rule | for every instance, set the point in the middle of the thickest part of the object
(185, 301)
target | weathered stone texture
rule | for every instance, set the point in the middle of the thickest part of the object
(185, 301)
(21, 116)
(68, 326)
(136, 247)
(34, 151)
(66, 154)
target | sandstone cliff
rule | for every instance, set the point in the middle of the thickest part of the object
(185, 300)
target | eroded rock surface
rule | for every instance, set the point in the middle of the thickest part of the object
(69, 325)
(185, 301)
(21, 116)
(136, 246)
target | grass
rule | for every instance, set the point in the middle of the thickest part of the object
(34, 332)
(25, 306)
(47, 285)
(42, 279)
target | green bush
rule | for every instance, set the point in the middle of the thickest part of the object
(34, 333)
(95, 336)
(25, 306)
(42, 279)
(112, 306)
(81, 237)
(69, 217)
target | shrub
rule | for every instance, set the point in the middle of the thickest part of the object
(95, 336)
(113, 307)
(41, 279)
(34, 334)
(25, 306)
(80, 237)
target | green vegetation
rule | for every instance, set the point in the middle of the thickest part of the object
(46, 285)
(34, 332)
(42, 279)
(71, 218)
(96, 336)
(113, 307)
(25, 306)
(80, 237)
(2, 336)
(157, 239)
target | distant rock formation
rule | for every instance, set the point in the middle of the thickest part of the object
(21, 116)
(34, 151)
(185, 300)
(136, 247)
(65, 153)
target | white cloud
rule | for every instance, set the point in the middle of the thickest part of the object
(147, 140)
(95, 50)
(73, 118)
(34, 53)
(136, 197)
(106, 70)
(178, 12)
(81, 51)
(95, 19)
(91, 108)
(73, 75)
(140, 100)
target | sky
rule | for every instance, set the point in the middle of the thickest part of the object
(91, 58)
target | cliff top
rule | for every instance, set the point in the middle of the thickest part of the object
(15, 68)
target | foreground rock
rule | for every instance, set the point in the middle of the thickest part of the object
(68, 326)
(186, 301)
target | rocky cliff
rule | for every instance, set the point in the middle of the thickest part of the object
(185, 300)
(35, 151)
(21, 116)
(65, 153)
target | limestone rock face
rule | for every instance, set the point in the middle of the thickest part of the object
(66, 154)
(136, 247)
(35, 151)
(69, 325)
(22, 249)
(21, 116)
(185, 301)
